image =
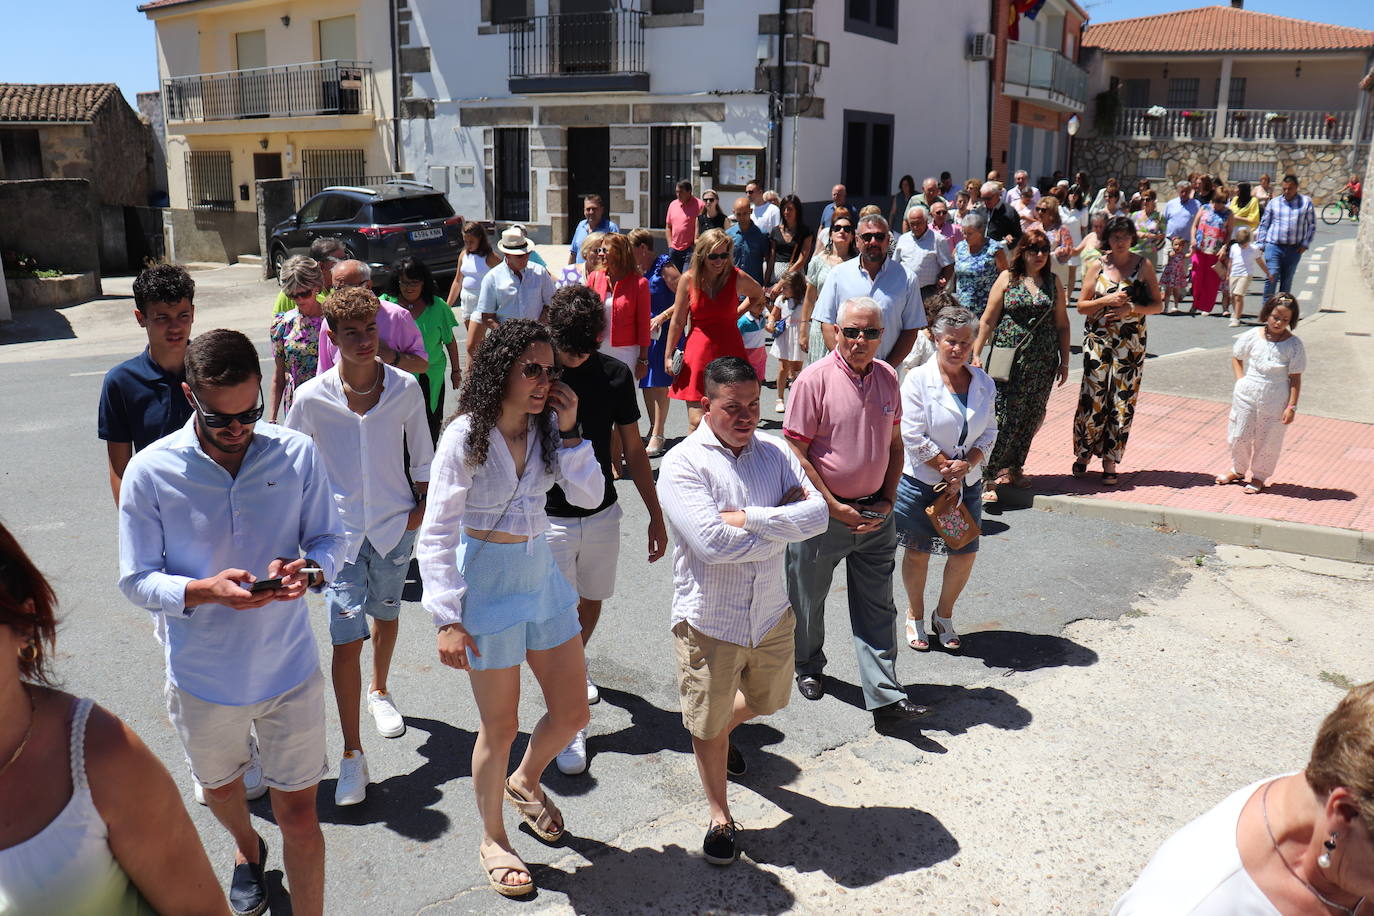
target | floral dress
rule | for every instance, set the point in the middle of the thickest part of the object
(974, 274)
(1113, 363)
(296, 342)
(1255, 431)
(1021, 400)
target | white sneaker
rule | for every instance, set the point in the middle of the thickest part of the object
(572, 760)
(779, 406)
(1235, 322)
(385, 715)
(351, 788)
(200, 791)
(593, 694)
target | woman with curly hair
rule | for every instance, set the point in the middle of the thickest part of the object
(491, 583)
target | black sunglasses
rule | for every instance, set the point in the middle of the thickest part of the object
(532, 370)
(718, 256)
(842, 227)
(873, 236)
(866, 333)
(221, 420)
(1037, 249)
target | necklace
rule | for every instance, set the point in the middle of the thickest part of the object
(375, 382)
(1264, 810)
(28, 733)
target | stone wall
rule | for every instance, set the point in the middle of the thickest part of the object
(210, 235)
(54, 221)
(114, 153)
(1322, 169)
(1364, 240)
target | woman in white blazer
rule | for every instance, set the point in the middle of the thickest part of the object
(949, 425)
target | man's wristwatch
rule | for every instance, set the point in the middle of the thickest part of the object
(574, 433)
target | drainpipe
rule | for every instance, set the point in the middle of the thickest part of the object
(992, 85)
(395, 93)
(781, 76)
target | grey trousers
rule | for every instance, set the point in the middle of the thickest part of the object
(870, 560)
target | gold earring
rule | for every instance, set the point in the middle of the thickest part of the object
(28, 653)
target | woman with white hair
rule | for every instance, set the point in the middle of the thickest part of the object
(295, 334)
(949, 426)
(978, 262)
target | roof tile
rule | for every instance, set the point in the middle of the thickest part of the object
(53, 101)
(1222, 28)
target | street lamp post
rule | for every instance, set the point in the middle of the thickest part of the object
(1072, 127)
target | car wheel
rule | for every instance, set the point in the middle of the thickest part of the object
(278, 259)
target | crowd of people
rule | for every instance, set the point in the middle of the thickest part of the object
(897, 429)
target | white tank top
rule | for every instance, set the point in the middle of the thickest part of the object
(67, 867)
(474, 268)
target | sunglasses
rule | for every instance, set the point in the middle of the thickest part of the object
(841, 227)
(1044, 209)
(710, 200)
(1037, 249)
(221, 420)
(303, 294)
(865, 333)
(718, 256)
(873, 236)
(532, 371)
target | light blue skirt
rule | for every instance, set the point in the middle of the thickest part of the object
(516, 601)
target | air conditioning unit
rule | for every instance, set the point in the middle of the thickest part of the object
(982, 46)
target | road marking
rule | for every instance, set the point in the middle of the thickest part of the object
(80, 374)
(1305, 296)
(1182, 352)
(1311, 280)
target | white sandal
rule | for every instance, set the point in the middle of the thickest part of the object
(916, 635)
(943, 628)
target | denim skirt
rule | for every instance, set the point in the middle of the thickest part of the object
(516, 601)
(914, 530)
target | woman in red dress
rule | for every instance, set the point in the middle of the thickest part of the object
(710, 294)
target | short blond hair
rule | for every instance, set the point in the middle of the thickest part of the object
(871, 210)
(640, 236)
(591, 243)
(351, 303)
(1343, 754)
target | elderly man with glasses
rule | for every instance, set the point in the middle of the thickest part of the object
(1004, 225)
(886, 281)
(925, 252)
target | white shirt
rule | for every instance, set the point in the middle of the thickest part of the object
(365, 454)
(509, 295)
(768, 216)
(924, 257)
(1023, 202)
(894, 289)
(933, 419)
(490, 497)
(728, 582)
(1245, 259)
(1198, 871)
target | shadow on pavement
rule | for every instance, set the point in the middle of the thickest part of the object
(1025, 651)
(1298, 491)
(31, 325)
(954, 710)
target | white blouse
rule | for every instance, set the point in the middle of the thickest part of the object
(489, 497)
(933, 419)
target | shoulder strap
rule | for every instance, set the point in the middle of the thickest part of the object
(76, 742)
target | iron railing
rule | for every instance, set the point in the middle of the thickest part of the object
(1188, 123)
(1047, 70)
(578, 43)
(318, 88)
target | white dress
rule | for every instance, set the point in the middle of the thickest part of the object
(787, 344)
(1256, 429)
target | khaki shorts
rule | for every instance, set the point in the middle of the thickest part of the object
(710, 670)
(1240, 285)
(290, 736)
(587, 550)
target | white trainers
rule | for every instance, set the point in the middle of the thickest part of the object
(572, 760)
(385, 715)
(253, 786)
(593, 694)
(779, 406)
(351, 788)
(200, 791)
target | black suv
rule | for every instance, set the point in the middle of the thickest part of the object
(379, 224)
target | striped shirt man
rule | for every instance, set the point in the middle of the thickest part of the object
(1288, 222)
(728, 582)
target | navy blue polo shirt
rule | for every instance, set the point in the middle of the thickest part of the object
(140, 402)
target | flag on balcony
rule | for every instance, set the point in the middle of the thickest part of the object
(1018, 8)
(1031, 7)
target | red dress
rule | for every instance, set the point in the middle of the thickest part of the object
(715, 333)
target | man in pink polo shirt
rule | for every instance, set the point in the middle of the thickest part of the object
(682, 224)
(399, 342)
(844, 424)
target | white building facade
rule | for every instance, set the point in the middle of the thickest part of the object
(517, 108)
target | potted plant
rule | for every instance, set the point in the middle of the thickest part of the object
(1240, 116)
(1156, 111)
(1271, 117)
(1331, 120)
(1194, 115)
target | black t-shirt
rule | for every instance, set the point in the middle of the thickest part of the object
(605, 392)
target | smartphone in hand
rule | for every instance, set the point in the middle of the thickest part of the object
(263, 585)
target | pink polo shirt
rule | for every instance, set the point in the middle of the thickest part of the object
(395, 327)
(846, 420)
(682, 222)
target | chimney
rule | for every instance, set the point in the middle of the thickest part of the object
(1237, 4)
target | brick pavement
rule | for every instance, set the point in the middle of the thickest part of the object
(1177, 447)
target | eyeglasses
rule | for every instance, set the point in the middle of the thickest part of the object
(865, 333)
(1037, 249)
(303, 294)
(841, 227)
(718, 256)
(532, 370)
(221, 420)
(873, 236)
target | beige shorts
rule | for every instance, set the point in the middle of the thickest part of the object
(710, 670)
(1240, 285)
(587, 551)
(290, 736)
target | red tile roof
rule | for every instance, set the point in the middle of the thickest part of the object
(53, 101)
(158, 4)
(1221, 29)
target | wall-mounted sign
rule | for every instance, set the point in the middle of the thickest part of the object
(735, 167)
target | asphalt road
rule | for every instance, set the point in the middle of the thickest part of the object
(413, 842)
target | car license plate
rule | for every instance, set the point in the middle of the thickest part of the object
(421, 235)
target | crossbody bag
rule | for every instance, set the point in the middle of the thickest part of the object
(1001, 359)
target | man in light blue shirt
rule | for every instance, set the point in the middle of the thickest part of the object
(594, 211)
(513, 289)
(1179, 213)
(1286, 231)
(882, 279)
(205, 512)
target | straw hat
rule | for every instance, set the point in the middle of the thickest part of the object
(513, 241)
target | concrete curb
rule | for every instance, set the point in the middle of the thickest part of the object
(1344, 544)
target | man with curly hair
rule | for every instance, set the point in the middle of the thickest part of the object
(141, 399)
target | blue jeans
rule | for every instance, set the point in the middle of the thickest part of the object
(1282, 261)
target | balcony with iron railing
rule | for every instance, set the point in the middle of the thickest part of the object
(1260, 125)
(1044, 76)
(579, 52)
(326, 87)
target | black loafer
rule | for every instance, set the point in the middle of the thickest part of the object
(721, 846)
(897, 713)
(247, 889)
(811, 686)
(734, 763)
